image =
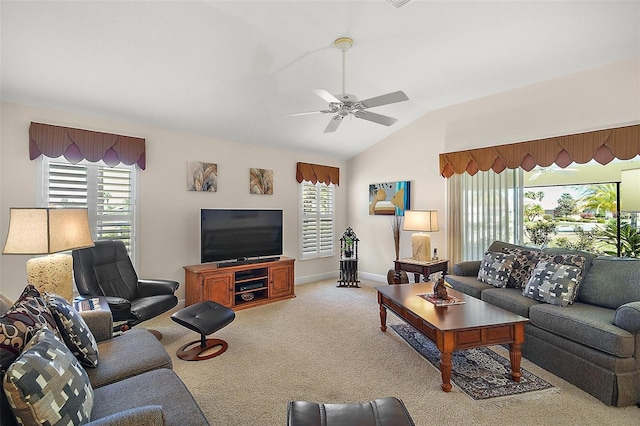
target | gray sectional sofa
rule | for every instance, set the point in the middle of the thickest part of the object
(593, 342)
(133, 383)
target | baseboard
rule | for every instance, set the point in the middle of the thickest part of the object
(373, 277)
(317, 277)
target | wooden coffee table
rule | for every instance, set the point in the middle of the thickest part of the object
(469, 325)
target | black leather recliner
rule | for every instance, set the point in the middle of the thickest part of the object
(106, 270)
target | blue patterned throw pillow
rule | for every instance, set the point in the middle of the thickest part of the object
(553, 283)
(47, 385)
(495, 268)
(74, 330)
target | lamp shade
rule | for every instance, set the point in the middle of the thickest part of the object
(420, 220)
(47, 230)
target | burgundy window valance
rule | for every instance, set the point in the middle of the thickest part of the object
(77, 145)
(603, 146)
(315, 173)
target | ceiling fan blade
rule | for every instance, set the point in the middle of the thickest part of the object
(376, 118)
(324, 111)
(333, 124)
(389, 98)
(326, 96)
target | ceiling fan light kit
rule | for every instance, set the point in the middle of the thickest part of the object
(346, 104)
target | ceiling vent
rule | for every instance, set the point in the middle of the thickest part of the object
(399, 3)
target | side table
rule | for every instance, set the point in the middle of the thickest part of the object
(425, 268)
(85, 303)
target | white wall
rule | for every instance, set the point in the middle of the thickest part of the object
(408, 155)
(169, 227)
(607, 96)
(602, 97)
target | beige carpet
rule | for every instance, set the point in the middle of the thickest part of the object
(326, 345)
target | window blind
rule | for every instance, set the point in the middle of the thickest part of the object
(106, 192)
(317, 220)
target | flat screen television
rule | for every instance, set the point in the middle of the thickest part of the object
(239, 235)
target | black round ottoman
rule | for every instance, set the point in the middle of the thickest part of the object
(204, 318)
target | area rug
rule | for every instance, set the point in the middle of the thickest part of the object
(480, 373)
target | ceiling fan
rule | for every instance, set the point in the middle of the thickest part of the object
(344, 104)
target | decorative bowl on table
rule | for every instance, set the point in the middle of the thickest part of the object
(247, 296)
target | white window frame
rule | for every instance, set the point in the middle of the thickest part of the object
(324, 246)
(42, 192)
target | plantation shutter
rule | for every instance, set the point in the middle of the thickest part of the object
(316, 220)
(114, 214)
(106, 192)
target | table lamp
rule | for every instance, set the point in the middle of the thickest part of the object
(48, 231)
(422, 221)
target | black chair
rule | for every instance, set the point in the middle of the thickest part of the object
(388, 411)
(106, 270)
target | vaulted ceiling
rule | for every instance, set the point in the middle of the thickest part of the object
(234, 69)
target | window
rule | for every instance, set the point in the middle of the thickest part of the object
(316, 220)
(483, 208)
(107, 193)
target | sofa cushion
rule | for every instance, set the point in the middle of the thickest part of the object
(158, 387)
(524, 262)
(496, 268)
(510, 299)
(147, 415)
(611, 282)
(47, 384)
(553, 283)
(20, 323)
(467, 285)
(74, 330)
(129, 354)
(586, 324)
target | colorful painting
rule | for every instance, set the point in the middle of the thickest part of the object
(202, 176)
(260, 181)
(389, 198)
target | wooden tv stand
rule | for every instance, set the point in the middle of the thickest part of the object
(240, 286)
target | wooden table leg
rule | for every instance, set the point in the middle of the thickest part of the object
(515, 354)
(515, 351)
(445, 371)
(383, 318)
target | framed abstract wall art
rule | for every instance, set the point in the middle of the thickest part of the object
(260, 181)
(202, 176)
(389, 198)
